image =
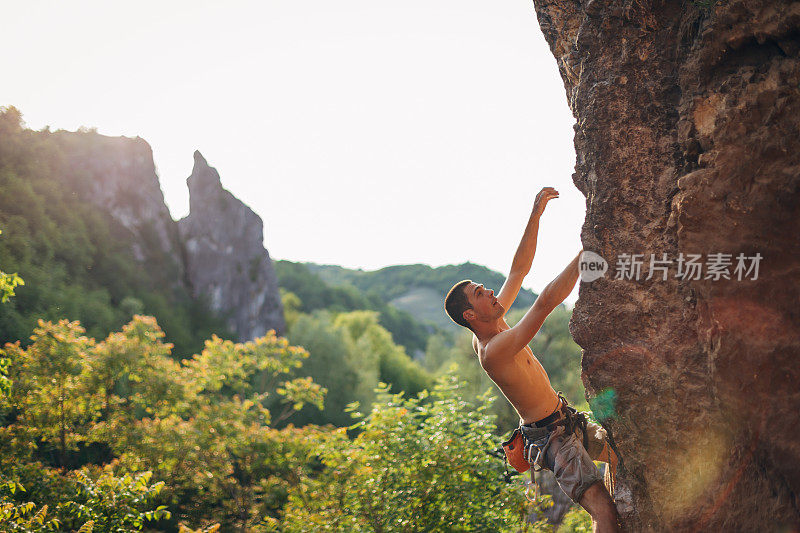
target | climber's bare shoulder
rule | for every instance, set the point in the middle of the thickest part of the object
(497, 358)
(506, 367)
(497, 350)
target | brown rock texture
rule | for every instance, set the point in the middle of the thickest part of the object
(688, 142)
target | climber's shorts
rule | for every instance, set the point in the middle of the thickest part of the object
(566, 457)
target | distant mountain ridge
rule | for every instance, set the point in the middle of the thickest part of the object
(409, 299)
(418, 289)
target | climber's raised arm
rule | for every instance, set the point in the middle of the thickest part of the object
(511, 341)
(523, 258)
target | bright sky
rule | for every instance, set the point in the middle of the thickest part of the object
(365, 133)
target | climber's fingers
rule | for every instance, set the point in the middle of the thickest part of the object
(544, 196)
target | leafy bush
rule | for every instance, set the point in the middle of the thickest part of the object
(201, 426)
(91, 500)
(417, 464)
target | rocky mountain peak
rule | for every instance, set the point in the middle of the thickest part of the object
(203, 183)
(225, 255)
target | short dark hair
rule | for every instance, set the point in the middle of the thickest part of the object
(456, 302)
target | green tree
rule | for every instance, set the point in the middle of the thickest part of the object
(51, 385)
(212, 441)
(8, 282)
(330, 364)
(371, 340)
(417, 464)
(85, 504)
(133, 371)
(350, 354)
(90, 500)
(291, 307)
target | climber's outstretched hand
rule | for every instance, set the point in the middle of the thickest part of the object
(544, 196)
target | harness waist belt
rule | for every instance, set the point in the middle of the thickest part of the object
(546, 421)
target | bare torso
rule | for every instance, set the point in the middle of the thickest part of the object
(522, 379)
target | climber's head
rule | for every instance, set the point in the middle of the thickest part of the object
(468, 303)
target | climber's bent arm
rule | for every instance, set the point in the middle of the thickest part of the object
(510, 342)
(523, 258)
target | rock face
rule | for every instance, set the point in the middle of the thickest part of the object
(687, 140)
(118, 175)
(225, 256)
(216, 252)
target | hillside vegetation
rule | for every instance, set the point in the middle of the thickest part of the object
(418, 289)
(77, 261)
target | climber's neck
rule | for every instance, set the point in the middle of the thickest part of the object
(485, 331)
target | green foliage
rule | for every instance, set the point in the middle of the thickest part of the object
(314, 294)
(76, 258)
(205, 429)
(114, 504)
(202, 426)
(92, 500)
(350, 354)
(368, 338)
(577, 520)
(417, 464)
(291, 307)
(211, 438)
(50, 384)
(333, 366)
(8, 282)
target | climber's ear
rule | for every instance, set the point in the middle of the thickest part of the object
(469, 315)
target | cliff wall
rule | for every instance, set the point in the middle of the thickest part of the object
(216, 253)
(117, 174)
(687, 128)
(226, 258)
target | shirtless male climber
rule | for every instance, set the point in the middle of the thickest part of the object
(548, 425)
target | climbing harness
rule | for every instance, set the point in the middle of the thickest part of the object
(527, 447)
(528, 444)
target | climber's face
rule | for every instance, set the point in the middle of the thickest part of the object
(485, 307)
